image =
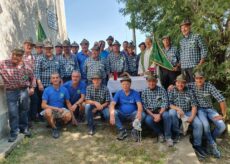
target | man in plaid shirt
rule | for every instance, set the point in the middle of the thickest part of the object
(97, 101)
(117, 61)
(155, 102)
(95, 64)
(193, 50)
(132, 60)
(19, 82)
(204, 92)
(183, 105)
(67, 61)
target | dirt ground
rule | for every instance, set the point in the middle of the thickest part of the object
(75, 146)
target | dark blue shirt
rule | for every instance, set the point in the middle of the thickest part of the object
(104, 54)
(127, 104)
(80, 58)
(75, 93)
(55, 97)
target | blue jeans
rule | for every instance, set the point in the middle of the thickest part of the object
(18, 106)
(161, 127)
(196, 125)
(120, 117)
(206, 114)
(89, 114)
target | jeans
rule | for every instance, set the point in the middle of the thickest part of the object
(196, 125)
(34, 105)
(18, 106)
(206, 114)
(120, 117)
(161, 127)
(89, 114)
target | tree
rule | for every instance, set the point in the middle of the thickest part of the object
(211, 19)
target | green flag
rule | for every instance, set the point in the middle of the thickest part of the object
(158, 56)
(40, 33)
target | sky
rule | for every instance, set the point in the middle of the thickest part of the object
(97, 19)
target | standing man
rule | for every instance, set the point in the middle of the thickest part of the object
(142, 49)
(74, 48)
(109, 40)
(132, 60)
(155, 102)
(39, 50)
(126, 106)
(82, 56)
(19, 83)
(95, 64)
(117, 62)
(97, 100)
(58, 49)
(77, 92)
(168, 77)
(103, 53)
(193, 50)
(55, 98)
(204, 92)
(125, 48)
(67, 61)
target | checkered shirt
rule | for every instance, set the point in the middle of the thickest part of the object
(68, 65)
(172, 55)
(15, 77)
(154, 99)
(117, 63)
(45, 67)
(184, 100)
(29, 60)
(93, 66)
(192, 50)
(100, 95)
(132, 62)
(205, 94)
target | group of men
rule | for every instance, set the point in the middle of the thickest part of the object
(64, 85)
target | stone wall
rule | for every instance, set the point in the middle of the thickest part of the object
(18, 20)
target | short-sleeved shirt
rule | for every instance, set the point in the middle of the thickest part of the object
(100, 94)
(184, 100)
(127, 103)
(153, 99)
(117, 63)
(93, 66)
(80, 58)
(75, 93)
(192, 50)
(56, 97)
(172, 55)
(205, 94)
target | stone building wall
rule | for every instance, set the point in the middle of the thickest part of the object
(18, 20)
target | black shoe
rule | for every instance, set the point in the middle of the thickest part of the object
(26, 132)
(122, 134)
(12, 138)
(200, 152)
(55, 133)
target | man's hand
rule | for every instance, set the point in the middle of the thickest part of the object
(60, 110)
(31, 91)
(40, 87)
(98, 105)
(73, 107)
(157, 117)
(219, 117)
(112, 119)
(139, 116)
(181, 113)
(190, 119)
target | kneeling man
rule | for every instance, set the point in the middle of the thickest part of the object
(54, 100)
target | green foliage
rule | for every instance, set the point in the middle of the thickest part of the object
(211, 19)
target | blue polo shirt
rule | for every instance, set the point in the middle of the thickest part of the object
(75, 93)
(56, 97)
(127, 104)
(80, 58)
(104, 54)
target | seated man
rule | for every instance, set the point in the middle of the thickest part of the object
(97, 100)
(53, 102)
(77, 90)
(129, 106)
(155, 102)
(183, 104)
(204, 91)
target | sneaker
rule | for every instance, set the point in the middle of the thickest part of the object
(200, 152)
(215, 151)
(161, 138)
(91, 132)
(176, 139)
(122, 134)
(12, 138)
(26, 132)
(169, 142)
(55, 133)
